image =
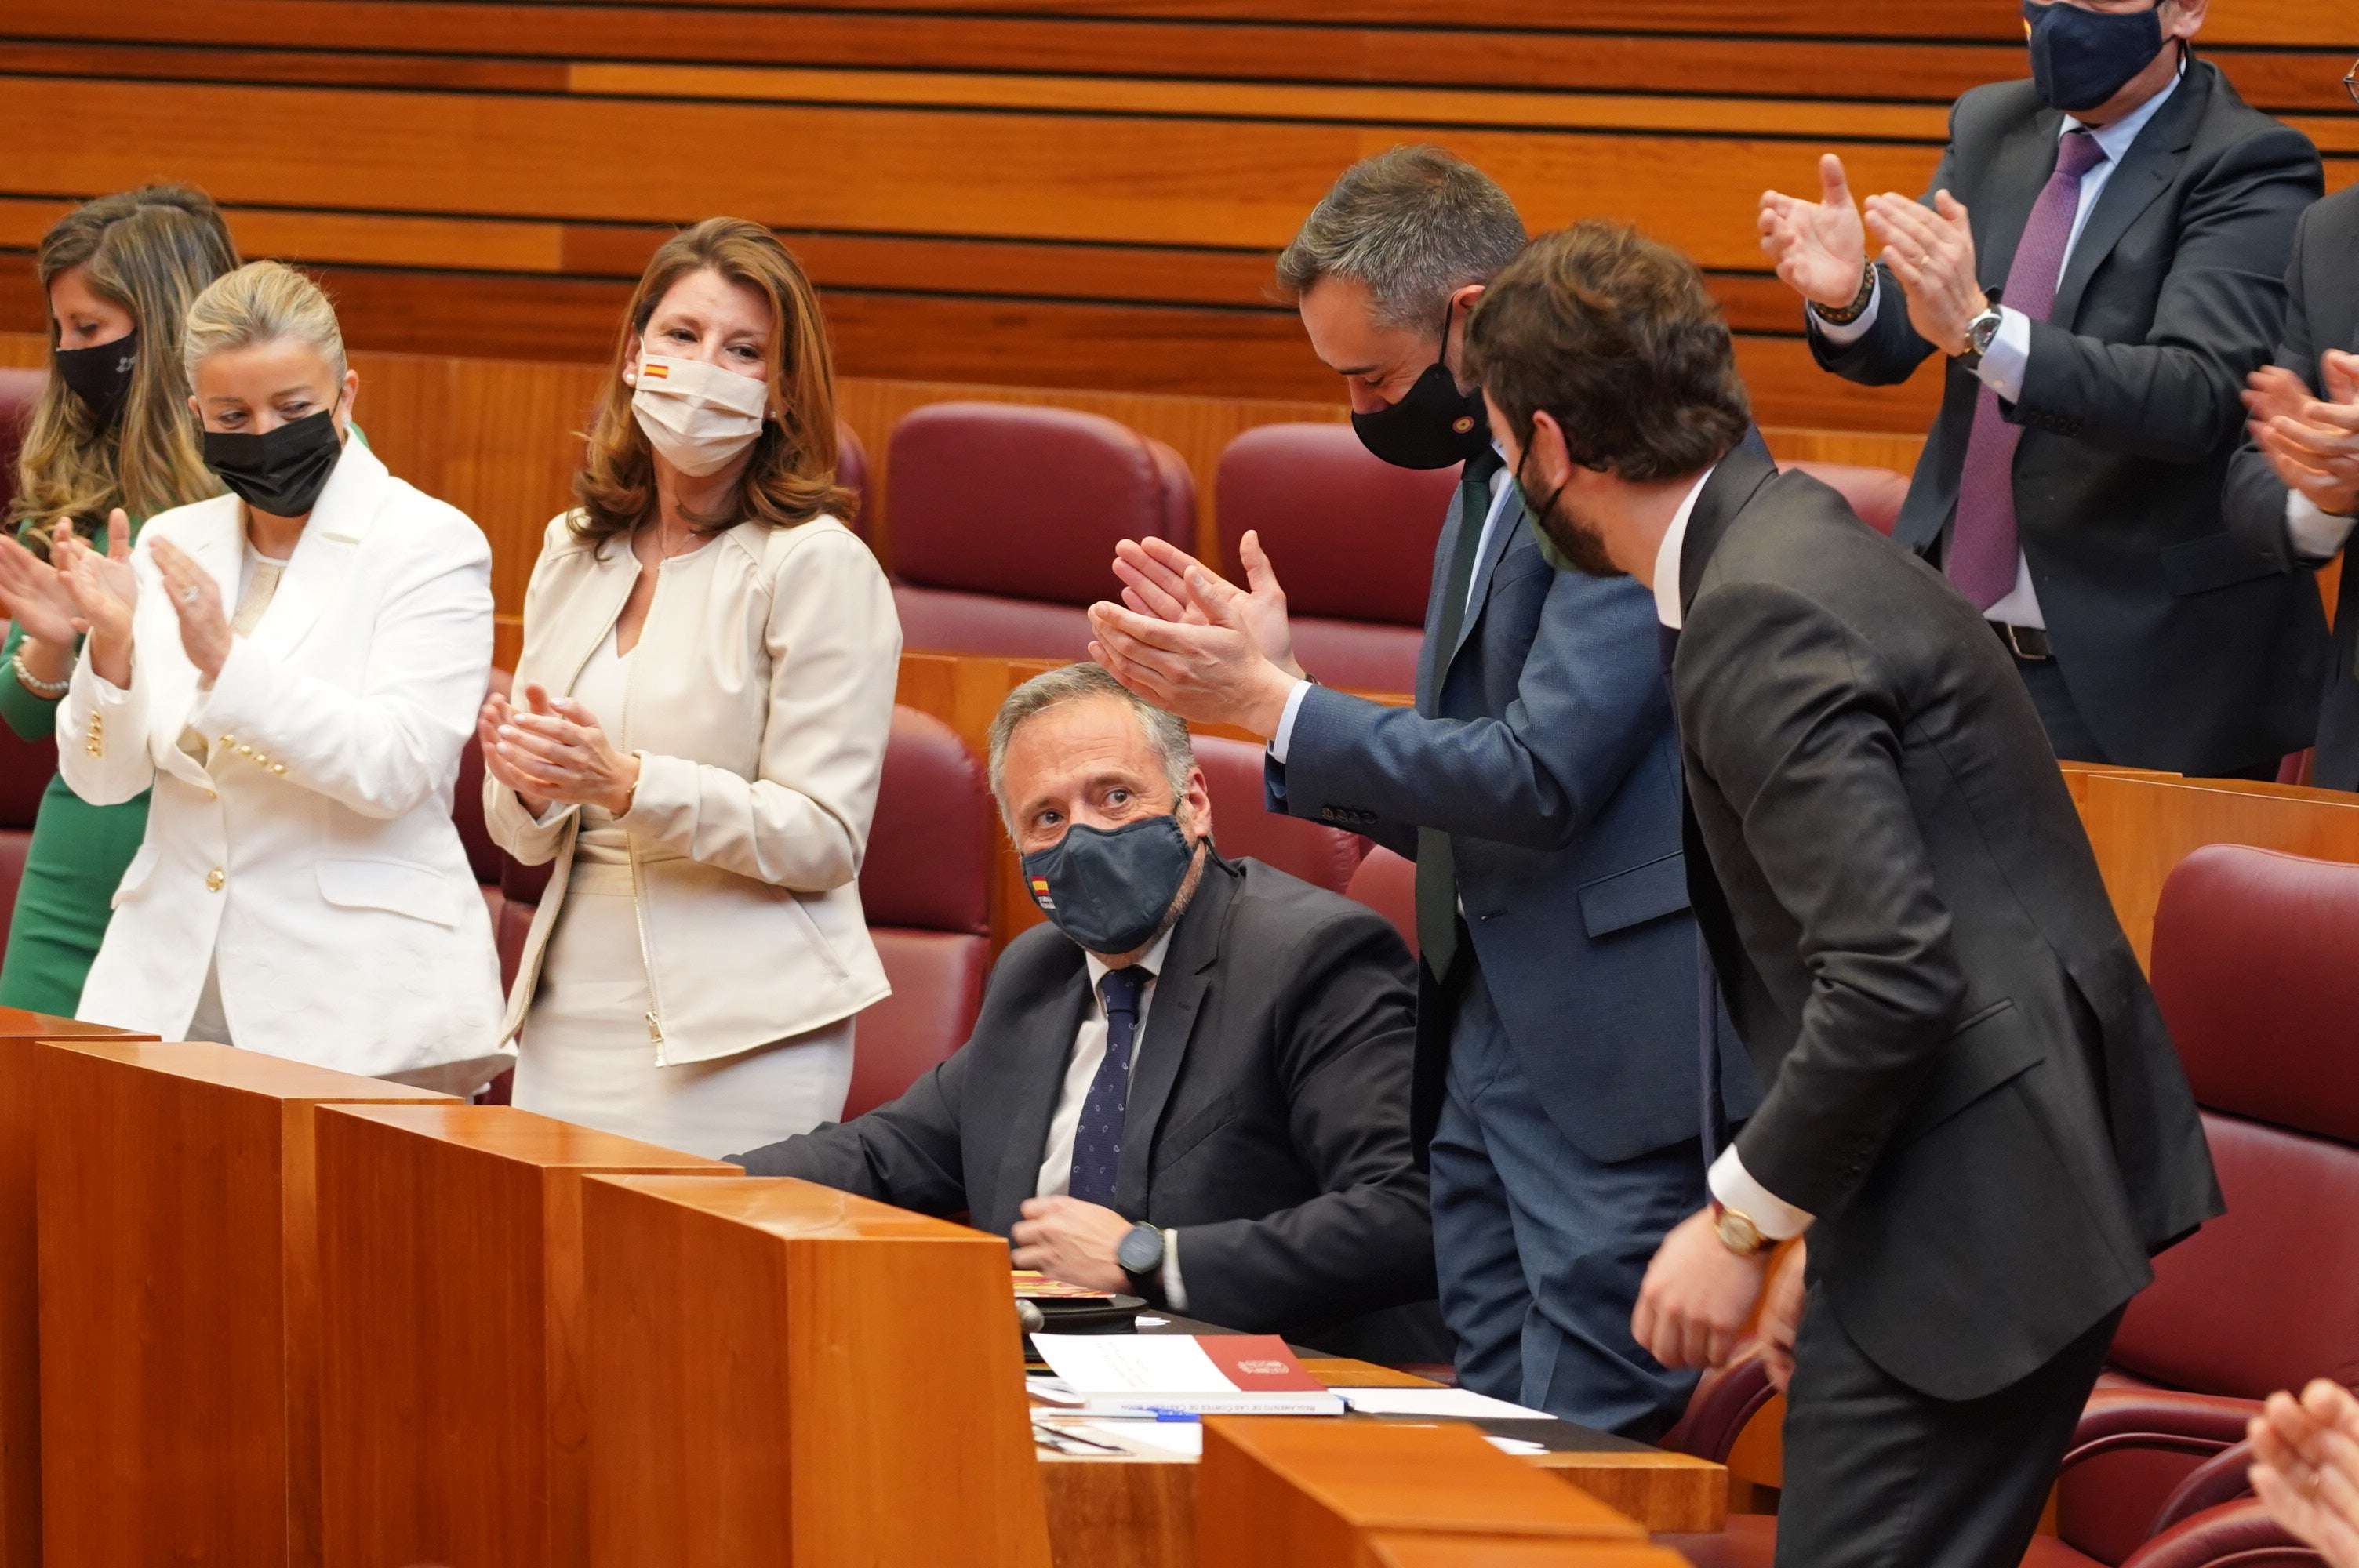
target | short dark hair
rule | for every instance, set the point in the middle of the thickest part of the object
(1617, 338)
(1414, 224)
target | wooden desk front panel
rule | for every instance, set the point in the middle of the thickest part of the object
(179, 1327)
(20, 1302)
(454, 1416)
(787, 1374)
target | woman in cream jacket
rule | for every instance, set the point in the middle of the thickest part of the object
(293, 668)
(707, 680)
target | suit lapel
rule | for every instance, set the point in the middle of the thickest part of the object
(1511, 519)
(2146, 173)
(324, 552)
(1044, 1047)
(1170, 1023)
(1747, 468)
(2027, 153)
(576, 637)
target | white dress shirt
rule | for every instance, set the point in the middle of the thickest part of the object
(1731, 1183)
(1499, 482)
(1081, 1071)
(2005, 362)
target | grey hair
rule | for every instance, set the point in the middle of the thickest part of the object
(1415, 225)
(1167, 732)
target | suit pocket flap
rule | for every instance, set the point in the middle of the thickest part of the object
(1990, 1048)
(1633, 897)
(2215, 560)
(401, 886)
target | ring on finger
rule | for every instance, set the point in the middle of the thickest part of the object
(188, 594)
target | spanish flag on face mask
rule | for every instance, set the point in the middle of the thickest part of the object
(1040, 894)
(654, 372)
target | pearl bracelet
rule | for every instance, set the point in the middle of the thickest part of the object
(33, 682)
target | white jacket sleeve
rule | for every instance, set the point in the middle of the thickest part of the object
(102, 727)
(834, 642)
(532, 841)
(383, 751)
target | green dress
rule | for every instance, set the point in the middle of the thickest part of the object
(78, 854)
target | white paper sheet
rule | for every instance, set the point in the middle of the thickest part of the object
(1457, 1403)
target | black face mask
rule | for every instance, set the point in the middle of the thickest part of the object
(280, 471)
(1434, 425)
(101, 375)
(1109, 890)
(2081, 59)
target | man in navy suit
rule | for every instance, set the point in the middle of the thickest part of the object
(1559, 1092)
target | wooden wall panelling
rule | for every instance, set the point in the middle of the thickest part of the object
(2141, 827)
(21, 1110)
(454, 1403)
(787, 1374)
(179, 1302)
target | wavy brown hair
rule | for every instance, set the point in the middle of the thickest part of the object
(791, 477)
(151, 251)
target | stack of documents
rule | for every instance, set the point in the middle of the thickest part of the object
(1154, 1374)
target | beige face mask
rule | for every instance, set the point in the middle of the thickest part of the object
(698, 415)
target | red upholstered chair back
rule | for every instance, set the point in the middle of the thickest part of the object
(1875, 494)
(1386, 884)
(926, 886)
(467, 803)
(1351, 539)
(2255, 963)
(852, 473)
(19, 390)
(1006, 517)
(1242, 825)
(25, 769)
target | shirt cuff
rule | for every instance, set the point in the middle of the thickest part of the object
(1850, 331)
(1175, 1295)
(2004, 362)
(2317, 533)
(1278, 743)
(1772, 1216)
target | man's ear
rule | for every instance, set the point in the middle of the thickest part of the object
(1550, 458)
(2189, 19)
(1195, 807)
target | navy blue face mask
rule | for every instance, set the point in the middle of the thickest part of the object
(2081, 59)
(1109, 889)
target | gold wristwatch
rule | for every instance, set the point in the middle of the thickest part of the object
(1737, 1232)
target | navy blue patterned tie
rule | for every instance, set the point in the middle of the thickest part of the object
(1097, 1142)
(1712, 1110)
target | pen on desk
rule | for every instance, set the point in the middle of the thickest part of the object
(1058, 1438)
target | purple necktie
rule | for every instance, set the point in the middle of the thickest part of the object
(1983, 544)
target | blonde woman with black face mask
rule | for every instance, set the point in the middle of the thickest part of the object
(707, 686)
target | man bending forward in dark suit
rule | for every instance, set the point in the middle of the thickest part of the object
(1972, 1108)
(1194, 1085)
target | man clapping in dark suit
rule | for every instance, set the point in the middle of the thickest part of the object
(1973, 1109)
(2099, 260)
(1194, 1084)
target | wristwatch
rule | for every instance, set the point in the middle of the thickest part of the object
(1736, 1231)
(1140, 1253)
(1981, 333)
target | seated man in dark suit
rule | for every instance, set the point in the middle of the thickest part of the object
(1193, 1085)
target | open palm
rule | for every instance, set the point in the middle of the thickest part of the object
(1819, 248)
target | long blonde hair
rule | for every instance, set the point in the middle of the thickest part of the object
(791, 477)
(150, 251)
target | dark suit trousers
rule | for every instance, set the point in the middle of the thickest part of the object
(1541, 1250)
(1879, 1476)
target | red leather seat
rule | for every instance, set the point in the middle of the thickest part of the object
(2254, 965)
(1351, 539)
(926, 886)
(1386, 882)
(1006, 517)
(25, 769)
(1242, 825)
(19, 390)
(852, 473)
(1875, 494)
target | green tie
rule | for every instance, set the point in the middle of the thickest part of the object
(1436, 873)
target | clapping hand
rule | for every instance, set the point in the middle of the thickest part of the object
(204, 625)
(2312, 443)
(104, 592)
(1819, 248)
(554, 750)
(1933, 255)
(34, 593)
(1210, 660)
(2306, 1468)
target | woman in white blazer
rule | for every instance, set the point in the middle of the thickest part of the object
(293, 667)
(707, 674)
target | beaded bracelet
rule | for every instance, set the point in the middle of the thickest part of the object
(33, 682)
